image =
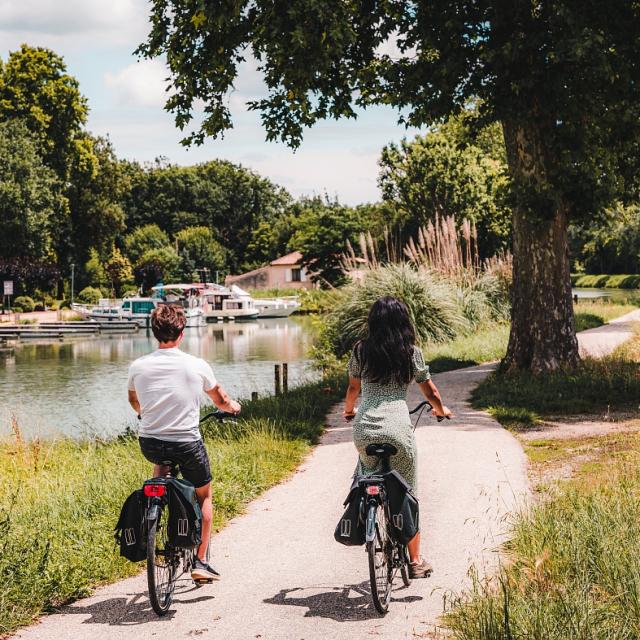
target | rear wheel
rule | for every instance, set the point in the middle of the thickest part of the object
(162, 563)
(403, 552)
(380, 563)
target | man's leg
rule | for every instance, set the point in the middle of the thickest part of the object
(203, 494)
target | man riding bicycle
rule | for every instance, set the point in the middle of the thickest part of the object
(164, 390)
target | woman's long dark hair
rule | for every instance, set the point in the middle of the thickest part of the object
(385, 355)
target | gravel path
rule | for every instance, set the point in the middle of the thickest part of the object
(284, 577)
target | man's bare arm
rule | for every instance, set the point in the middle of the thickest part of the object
(134, 402)
(222, 400)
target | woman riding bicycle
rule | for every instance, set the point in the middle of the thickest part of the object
(382, 365)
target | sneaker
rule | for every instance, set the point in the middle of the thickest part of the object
(203, 571)
(420, 569)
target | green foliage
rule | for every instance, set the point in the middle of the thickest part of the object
(143, 239)
(227, 198)
(94, 270)
(35, 88)
(620, 281)
(596, 386)
(446, 172)
(24, 303)
(322, 229)
(118, 270)
(165, 260)
(610, 242)
(197, 249)
(29, 195)
(90, 295)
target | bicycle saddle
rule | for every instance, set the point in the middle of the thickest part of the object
(381, 450)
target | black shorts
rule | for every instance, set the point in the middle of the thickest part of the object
(191, 457)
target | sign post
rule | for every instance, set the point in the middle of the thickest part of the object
(7, 293)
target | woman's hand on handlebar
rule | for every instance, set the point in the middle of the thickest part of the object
(445, 413)
(349, 415)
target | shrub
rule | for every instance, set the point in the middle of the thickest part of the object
(24, 303)
(38, 306)
(90, 295)
(433, 306)
(618, 281)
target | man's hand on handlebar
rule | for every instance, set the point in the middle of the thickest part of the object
(232, 407)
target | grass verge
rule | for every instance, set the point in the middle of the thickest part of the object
(61, 499)
(594, 313)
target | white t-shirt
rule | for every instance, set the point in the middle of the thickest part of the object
(169, 384)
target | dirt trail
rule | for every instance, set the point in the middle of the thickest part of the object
(284, 577)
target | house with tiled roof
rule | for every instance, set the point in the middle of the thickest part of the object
(286, 272)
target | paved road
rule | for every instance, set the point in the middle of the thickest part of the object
(284, 577)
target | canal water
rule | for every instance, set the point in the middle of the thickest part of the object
(78, 387)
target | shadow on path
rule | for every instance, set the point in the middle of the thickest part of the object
(127, 611)
(343, 604)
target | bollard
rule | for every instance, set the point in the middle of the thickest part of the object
(254, 396)
(277, 378)
(285, 377)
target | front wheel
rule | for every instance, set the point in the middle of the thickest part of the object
(380, 569)
(162, 563)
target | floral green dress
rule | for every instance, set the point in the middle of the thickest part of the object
(383, 416)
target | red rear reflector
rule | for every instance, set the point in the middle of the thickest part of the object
(154, 490)
(373, 489)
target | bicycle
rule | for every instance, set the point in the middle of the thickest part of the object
(163, 559)
(386, 555)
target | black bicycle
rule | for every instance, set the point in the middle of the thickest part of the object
(386, 555)
(163, 559)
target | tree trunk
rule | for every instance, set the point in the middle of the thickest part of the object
(543, 336)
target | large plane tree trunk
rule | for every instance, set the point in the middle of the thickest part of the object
(543, 336)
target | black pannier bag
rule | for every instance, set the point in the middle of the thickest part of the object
(351, 528)
(404, 512)
(185, 518)
(130, 529)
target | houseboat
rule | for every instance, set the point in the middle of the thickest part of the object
(221, 304)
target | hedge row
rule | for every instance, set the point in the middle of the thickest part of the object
(620, 281)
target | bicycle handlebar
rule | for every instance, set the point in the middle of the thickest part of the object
(218, 414)
(424, 403)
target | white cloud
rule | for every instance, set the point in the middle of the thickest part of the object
(52, 22)
(141, 84)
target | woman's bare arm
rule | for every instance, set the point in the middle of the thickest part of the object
(431, 393)
(353, 391)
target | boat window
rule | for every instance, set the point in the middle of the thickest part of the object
(143, 307)
(234, 305)
(126, 304)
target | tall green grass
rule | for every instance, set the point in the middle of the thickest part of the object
(619, 281)
(572, 569)
(60, 499)
(440, 308)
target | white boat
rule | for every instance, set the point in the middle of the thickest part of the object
(187, 295)
(221, 304)
(281, 307)
(134, 309)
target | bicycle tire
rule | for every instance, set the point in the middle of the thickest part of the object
(380, 560)
(404, 564)
(161, 565)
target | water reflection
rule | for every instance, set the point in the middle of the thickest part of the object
(79, 386)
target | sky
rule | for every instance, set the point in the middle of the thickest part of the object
(126, 98)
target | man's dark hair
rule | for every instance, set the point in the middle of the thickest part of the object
(167, 322)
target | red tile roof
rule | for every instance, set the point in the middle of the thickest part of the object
(290, 259)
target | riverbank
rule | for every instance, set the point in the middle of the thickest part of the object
(61, 498)
(573, 558)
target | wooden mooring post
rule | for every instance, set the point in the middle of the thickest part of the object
(285, 377)
(254, 395)
(277, 378)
